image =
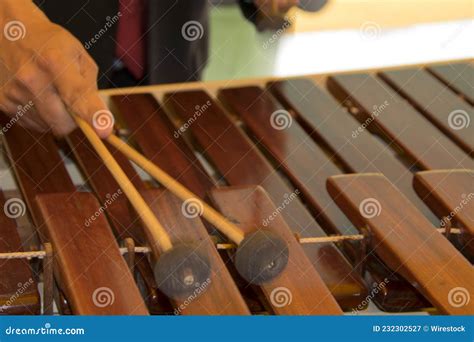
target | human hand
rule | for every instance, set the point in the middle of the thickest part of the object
(43, 63)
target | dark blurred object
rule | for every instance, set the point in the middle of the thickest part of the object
(312, 5)
(178, 38)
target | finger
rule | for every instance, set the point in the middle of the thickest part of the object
(25, 116)
(102, 120)
(79, 93)
(31, 122)
(53, 112)
(37, 84)
(16, 93)
(88, 68)
(93, 109)
(28, 113)
(7, 106)
(21, 104)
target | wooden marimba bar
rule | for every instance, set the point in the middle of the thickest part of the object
(378, 158)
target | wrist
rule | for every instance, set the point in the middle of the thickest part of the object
(23, 10)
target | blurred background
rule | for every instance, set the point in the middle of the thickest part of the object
(343, 35)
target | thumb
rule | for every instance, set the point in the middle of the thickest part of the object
(92, 109)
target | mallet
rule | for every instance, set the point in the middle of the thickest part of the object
(180, 268)
(260, 257)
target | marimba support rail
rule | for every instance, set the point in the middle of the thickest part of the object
(221, 246)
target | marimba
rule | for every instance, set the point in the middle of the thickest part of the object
(367, 177)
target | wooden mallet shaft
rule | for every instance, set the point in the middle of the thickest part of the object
(179, 268)
(260, 256)
(210, 214)
(158, 237)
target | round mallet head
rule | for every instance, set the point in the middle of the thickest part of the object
(181, 270)
(261, 256)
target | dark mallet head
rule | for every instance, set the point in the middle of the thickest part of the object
(312, 5)
(261, 256)
(181, 270)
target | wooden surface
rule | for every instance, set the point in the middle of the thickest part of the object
(458, 76)
(213, 86)
(240, 163)
(304, 162)
(123, 219)
(154, 133)
(96, 277)
(40, 170)
(208, 213)
(405, 239)
(37, 166)
(58, 178)
(159, 242)
(450, 193)
(356, 149)
(298, 290)
(18, 289)
(439, 104)
(220, 296)
(308, 166)
(398, 121)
